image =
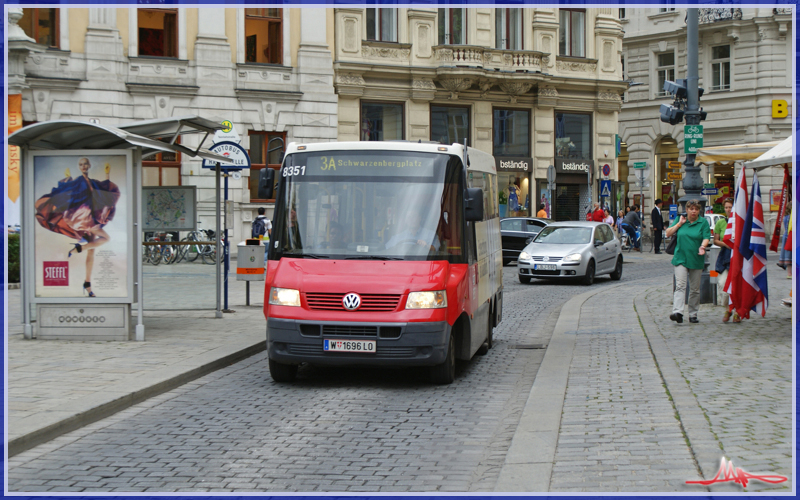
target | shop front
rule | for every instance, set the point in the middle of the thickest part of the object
(513, 184)
(573, 194)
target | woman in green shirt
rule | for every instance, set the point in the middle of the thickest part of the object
(692, 233)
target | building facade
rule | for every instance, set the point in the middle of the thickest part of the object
(533, 87)
(268, 71)
(745, 68)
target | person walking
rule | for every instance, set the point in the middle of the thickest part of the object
(723, 264)
(542, 213)
(693, 234)
(658, 225)
(597, 213)
(608, 218)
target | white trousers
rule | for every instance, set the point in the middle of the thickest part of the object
(682, 275)
(722, 297)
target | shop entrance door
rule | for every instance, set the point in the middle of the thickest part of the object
(567, 202)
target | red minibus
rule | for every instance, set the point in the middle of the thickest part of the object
(383, 253)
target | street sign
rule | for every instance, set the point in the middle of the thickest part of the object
(673, 211)
(227, 133)
(551, 174)
(709, 192)
(551, 186)
(674, 164)
(709, 185)
(642, 184)
(674, 176)
(692, 138)
(640, 164)
(606, 170)
(237, 156)
(605, 188)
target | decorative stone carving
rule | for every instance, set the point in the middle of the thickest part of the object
(423, 85)
(456, 85)
(548, 92)
(609, 96)
(715, 15)
(349, 79)
(400, 54)
(485, 86)
(514, 88)
(576, 66)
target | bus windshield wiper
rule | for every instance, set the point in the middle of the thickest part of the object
(314, 256)
(372, 257)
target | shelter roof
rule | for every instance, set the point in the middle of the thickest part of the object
(151, 135)
(727, 155)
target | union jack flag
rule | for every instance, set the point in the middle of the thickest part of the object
(753, 247)
(733, 234)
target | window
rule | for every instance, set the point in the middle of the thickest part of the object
(158, 32)
(508, 29)
(666, 71)
(573, 136)
(511, 132)
(449, 124)
(452, 26)
(381, 122)
(261, 157)
(263, 36)
(666, 9)
(622, 13)
(382, 25)
(41, 25)
(721, 67)
(571, 37)
(162, 169)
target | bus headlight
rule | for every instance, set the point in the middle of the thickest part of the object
(524, 256)
(284, 297)
(573, 257)
(426, 300)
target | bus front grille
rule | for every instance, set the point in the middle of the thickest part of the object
(370, 302)
(382, 352)
(351, 330)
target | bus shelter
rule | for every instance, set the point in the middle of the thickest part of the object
(81, 221)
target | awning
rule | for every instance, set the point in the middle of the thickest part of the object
(727, 155)
(779, 155)
(153, 136)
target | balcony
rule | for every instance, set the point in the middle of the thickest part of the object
(471, 56)
(708, 16)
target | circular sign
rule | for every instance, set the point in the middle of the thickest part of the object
(606, 169)
(227, 126)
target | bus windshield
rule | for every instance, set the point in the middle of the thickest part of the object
(383, 205)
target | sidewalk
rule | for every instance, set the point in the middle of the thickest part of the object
(644, 404)
(55, 387)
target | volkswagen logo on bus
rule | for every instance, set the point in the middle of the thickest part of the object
(351, 301)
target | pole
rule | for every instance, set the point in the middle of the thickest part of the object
(692, 182)
(227, 256)
(218, 313)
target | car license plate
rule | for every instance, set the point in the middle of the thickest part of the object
(349, 345)
(544, 267)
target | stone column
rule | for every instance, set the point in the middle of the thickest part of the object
(316, 112)
(212, 50)
(103, 49)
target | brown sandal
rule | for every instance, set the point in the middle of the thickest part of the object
(726, 317)
(736, 318)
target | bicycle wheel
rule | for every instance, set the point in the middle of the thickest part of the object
(154, 255)
(647, 243)
(168, 254)
(190, 252)
(210, 256)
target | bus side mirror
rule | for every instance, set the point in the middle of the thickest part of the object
(266, 181)
(473, 204)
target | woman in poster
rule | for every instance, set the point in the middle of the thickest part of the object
(79, 209)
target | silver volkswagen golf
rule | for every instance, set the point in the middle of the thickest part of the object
(572, 250)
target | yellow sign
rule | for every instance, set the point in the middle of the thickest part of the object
(674, 176)
(674, 164)
(227, 126)
(14, 124)
(780, 108)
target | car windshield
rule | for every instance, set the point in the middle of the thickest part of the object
(564, 235)
(383, 205)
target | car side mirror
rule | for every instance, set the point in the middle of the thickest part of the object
(598, 243)
(473, 204)
(266, 182)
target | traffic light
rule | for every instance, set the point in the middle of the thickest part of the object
(671, 114)
(678, 89)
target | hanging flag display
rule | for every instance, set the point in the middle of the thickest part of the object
(733, 233)
(753, 247)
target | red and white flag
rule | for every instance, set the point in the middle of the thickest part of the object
(733, 235)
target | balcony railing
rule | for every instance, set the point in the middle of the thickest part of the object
(716, 15)
(486, 58)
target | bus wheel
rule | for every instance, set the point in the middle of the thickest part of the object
(281, 372)
(445, 373)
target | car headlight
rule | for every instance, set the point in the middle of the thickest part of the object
(573, 257)
(284, 297)
(524, 256)
(426, 300)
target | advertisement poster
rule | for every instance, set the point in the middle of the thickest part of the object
(545, 199)
(80, 230)
(775, 199)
